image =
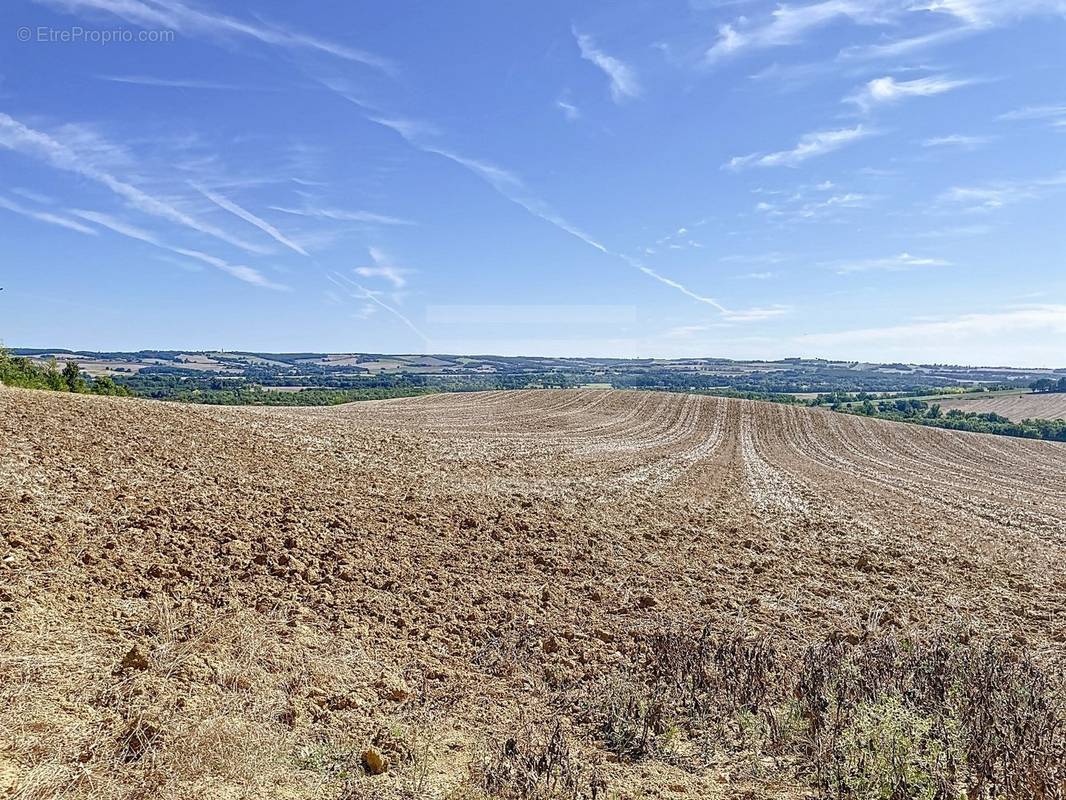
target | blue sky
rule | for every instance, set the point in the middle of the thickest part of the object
(866, 179)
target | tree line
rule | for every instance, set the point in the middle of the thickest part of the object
(1047, 385)
(26, 373)
(923, 413)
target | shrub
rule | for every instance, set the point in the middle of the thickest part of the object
(892, 752)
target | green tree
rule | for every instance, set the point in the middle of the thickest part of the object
(72, 377)
(105, 385)
(52, 377)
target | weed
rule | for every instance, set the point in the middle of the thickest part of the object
(538, 763)
(890, 751)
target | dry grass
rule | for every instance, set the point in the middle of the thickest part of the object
(172, 701)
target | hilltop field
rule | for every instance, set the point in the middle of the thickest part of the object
(526, 594)
(1014, 407)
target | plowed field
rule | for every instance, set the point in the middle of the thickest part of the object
(1014, 407)
(215, 602)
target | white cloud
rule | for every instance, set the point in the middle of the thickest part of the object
(1053, 115)
(797, 207)
(969, 17)
(1036, 112)
(810, 145)
(902, 47)
(365, 311)
(171, 83)
(958, 140)
(243, 213)
(570, 111)
(343, 215)
(506, 183)
(29, 194)
(360, 292)
(788, 24)
(496, 175)
(77, 156)
(45, 216)
(117, 225)
(888, 90)
(409, 129)
(393, 275)
(956, 231)
(758, 313)
(384, 268)
(983, 13)
(624, 83)
(900, 263)
(512, 188)
(992, 196)
(710, 301)
(239, 271)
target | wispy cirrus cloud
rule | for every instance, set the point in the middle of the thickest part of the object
(900, 263)
(71, 156)
(359, 292)
(242, 213)
(1035, 112)
(965, 18)
(384, 268)
(124, 228)
(955, 232)
(958, 140)
(710, 301)
(758, 313)
(810, 145)
(882, 91)
(510, 186)
(788, 24)
(118, 226)
(897, 48)
(984, 13)
(342, 215)
(45, 216)
(622, 77)
(570, 111)
(1052, 115)
(506, 183)
(800, 206)
(29, 194)
(996, 195)
(175, 83)
(420, 135)
(181, 17)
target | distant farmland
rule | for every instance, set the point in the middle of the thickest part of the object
(1014, 407)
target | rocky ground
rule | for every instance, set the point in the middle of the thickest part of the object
(248, 602)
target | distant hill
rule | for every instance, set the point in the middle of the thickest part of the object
(163, 371)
